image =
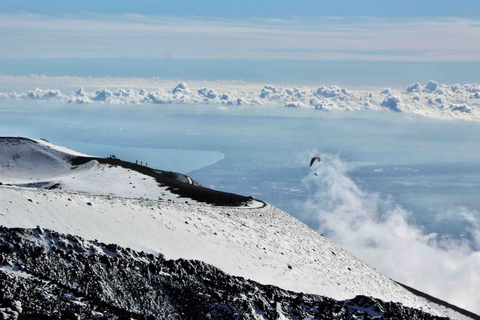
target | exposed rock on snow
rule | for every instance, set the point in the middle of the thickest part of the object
(257, 244)
(46, 274)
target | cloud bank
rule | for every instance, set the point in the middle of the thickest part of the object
(377, 231)
(331, 38)
(434, 100)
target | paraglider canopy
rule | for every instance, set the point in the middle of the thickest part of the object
(313, 160)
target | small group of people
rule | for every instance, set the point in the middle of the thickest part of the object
(141, 163)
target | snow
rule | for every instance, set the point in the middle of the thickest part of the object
(452, 314)
(26, 161)
(38, 163)
(257, 244)
(61, 149)
(15, 271)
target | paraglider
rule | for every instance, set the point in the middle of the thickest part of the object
(313, 160)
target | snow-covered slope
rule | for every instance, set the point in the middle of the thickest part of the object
(32, 161)
(264, 244)
(52, 275)
(40, 164)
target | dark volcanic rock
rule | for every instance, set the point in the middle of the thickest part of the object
(46, 275)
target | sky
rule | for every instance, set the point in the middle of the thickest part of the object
(251, 8)
(375, 30)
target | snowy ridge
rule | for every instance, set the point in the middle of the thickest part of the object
(440, 101)
(60, 148)
(40, 164)
(27, 161)
(264, 244)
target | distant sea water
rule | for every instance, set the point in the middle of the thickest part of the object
(348, 73)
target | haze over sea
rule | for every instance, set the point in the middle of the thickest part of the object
(291, 72)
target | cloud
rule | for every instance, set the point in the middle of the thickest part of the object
(40, 94)
(208, 93)
(416, 87)
(431, 86)
(107, 36)
(375, 229)
(181, 88)
(101, 95)
(393, 103)
(434, 100)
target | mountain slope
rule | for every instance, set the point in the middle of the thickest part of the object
(44, 273)
(40, 164)
(247, 238)
(263, 244)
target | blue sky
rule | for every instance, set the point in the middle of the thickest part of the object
(373, 30)
(252, 8)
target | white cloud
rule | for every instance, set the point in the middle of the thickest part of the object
(416, 87)
(101, 95)
(39, 94)
(393, 103)
(431, 86)
(34, 36)
(434, 100)
(377, 231)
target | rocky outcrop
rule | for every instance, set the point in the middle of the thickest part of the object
(46, 275)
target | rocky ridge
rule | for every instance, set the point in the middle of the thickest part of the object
(47, 275)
